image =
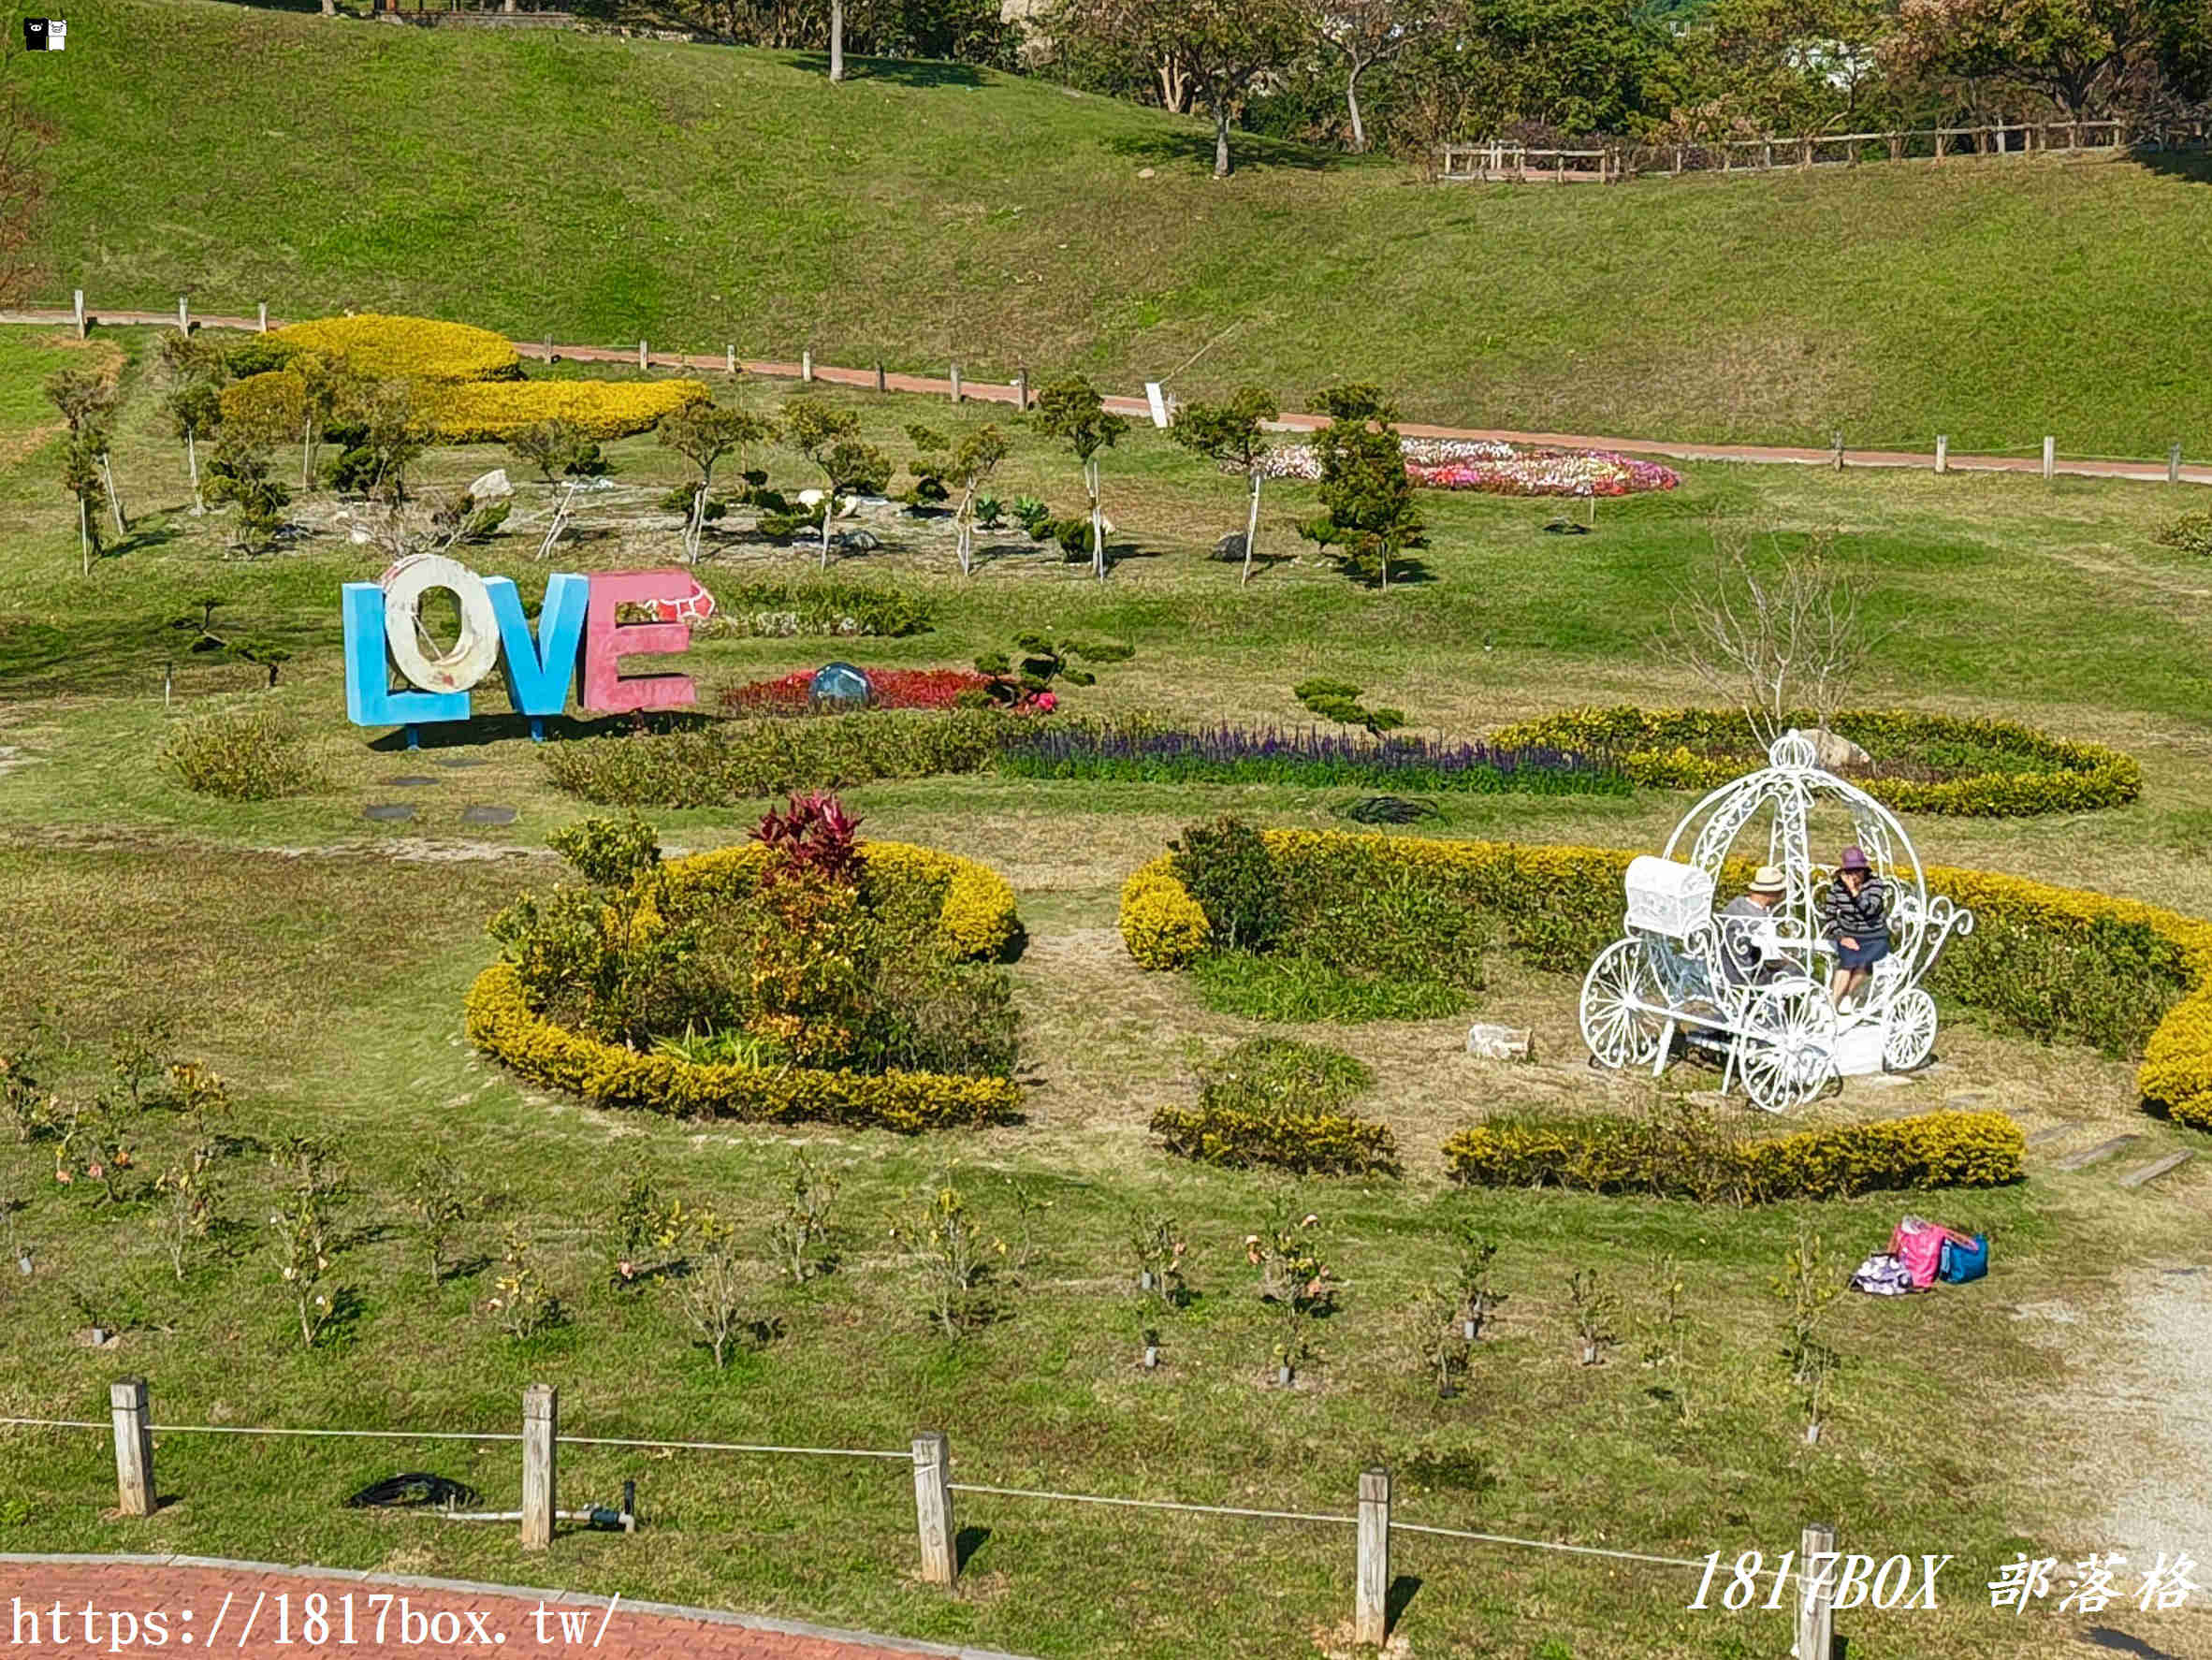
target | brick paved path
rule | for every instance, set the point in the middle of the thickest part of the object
(990, 392)
(142, 1606)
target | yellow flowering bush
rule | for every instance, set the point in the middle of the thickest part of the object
(976, 914)
(1637, 1155)
(405, 348)
(490, 412)
(1560, 904)
(1999, 768)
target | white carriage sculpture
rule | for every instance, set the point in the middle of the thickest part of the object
(1672, 973)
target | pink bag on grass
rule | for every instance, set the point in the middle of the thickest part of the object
(1919, 1246)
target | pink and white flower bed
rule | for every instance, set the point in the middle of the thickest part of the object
(1499, 469)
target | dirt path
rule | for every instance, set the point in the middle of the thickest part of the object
(987, 392)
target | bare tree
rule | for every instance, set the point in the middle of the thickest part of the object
(1777, 634)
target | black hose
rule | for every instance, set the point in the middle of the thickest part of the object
(412, 1490)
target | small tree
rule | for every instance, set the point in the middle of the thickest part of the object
(1044, 661)
(299, 1236)
(240, 472)
(830, 439)
(438, 1204)
(952, 1255)
(1666, 1336)
(557, 446)
(87, 401)
(1472, 1288)
(1808, 1288)
(81, 478)
(1072, 412)
(1228, 435)
(327, 387)
(802, 1230)
(1596, 1309)
(1339, 701)
(932, 451)
(184, 1213)
(715, 1286)
(702, 434)
(1368, 516)
(977, 455)
(191, 410)
(1776, 634)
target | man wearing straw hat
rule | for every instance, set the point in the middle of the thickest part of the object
(1749, 953)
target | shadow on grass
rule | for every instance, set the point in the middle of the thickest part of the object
(1246, 150)
(2120, 1643)
(966, 1543)
(480, 729)
(898, 71)
(1403, 1588)
(2195, 165)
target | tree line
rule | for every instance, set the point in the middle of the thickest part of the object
(1409, 76)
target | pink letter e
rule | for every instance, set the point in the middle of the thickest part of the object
(607, 689)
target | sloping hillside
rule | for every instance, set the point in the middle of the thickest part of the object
(603, 189)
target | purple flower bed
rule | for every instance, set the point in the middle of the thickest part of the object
(1233, 754)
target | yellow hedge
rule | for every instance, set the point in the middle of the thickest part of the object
(1319, 1143)
(500, 1021)
(271, 406)
(1675, 749)
(1635, 1156)
(409, 348)
(2175, 1075)
(490, 412)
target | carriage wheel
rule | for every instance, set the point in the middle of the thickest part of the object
(1788, 1053)
(1621, 1006)
(1909, 1034)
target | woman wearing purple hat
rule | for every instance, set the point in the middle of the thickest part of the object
(1855, 914)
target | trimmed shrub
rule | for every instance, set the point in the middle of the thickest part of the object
(1924, 763)
(272, 407)
(1637, 1155)
(1278, 1102)
(738, 759)
(240, 755)
(1295, 989)
(405, 348)
(492, 412)
(2065, 963)
(1227, 869)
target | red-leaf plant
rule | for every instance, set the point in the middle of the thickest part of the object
(816, 837)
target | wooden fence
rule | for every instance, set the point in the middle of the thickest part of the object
(132, 1430)
(1615, 162)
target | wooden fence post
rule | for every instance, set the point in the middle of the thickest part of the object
(548, 348)
(881, 385)
(1939, 154)
(128, 1408)
(541, 1435)
(2174, 465)
(1896, 146)
(1943, 452)
(807, 363)
(1022, 386)
(641, 354)
(1371, 1609)
(2050, 446)
(1816, 1617)
(730, 359)
(79, 314)
(932, 1507)
(955, 382)
(264, 308)
(183, 314)
(1839, 451)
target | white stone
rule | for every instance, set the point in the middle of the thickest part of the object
(1486, 1041)
(1832, 751)
(490, 486)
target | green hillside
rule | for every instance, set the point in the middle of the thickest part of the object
(603, 189)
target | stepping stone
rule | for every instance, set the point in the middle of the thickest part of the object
(2049, 1133)
(2102, 1151)
(488, 815)
(1969, 1097)
(2150, 1172)
(409, 779)
(388, 812)
(457, 761)
(2181, 1271)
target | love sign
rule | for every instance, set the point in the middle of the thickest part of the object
(579, 622)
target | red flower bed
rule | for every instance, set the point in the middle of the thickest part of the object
(895, 689)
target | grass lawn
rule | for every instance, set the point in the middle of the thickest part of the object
(317, 960)
(602, 190)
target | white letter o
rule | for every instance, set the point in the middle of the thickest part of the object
(477, 650)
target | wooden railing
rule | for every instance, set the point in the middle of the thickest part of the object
(1613, 163)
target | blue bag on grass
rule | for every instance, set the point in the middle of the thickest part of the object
(1964, 1258)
